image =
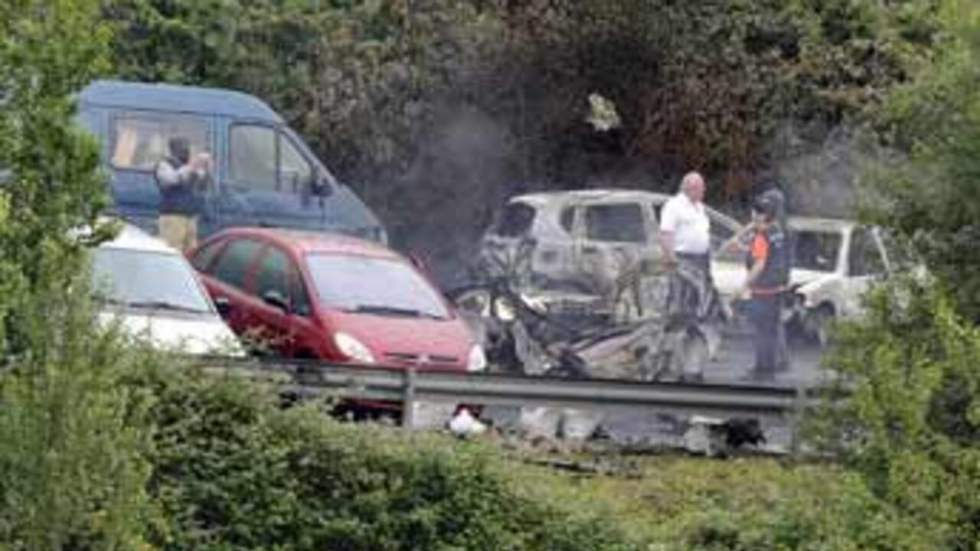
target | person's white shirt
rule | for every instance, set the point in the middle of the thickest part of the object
(688, 223)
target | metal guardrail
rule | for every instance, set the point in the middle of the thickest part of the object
(411, 385)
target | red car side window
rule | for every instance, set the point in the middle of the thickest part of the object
(204, 257)
(277, 272)
(232, 266)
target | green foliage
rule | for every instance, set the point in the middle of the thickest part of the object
(71, 475)
(232, 470)
(910, 426)
(930, 197)
(71, 470)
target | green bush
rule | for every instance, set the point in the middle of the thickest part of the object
(233, 471)
(911, 423)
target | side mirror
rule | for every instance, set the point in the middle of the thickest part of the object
(223, 306)
(275, 298)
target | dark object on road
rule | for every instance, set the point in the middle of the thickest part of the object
(740, 431)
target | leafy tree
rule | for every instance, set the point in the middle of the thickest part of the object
(931, 197)
(910, 424)
(70, 471)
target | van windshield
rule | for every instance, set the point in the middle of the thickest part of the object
(373, 285)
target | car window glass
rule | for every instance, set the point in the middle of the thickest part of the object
(140, 141)
(864, 257)
(252, 157)
(232, 265)
(204, 256)
(361, 282)
(515, 220)
(620, 223)
(568, 219)
(271, 274)
(815, 250)
(296, 172)
(145, 279)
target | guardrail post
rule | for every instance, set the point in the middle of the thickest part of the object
(799, 409)
(408, 401)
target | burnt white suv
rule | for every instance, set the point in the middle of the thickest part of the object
(589, 235)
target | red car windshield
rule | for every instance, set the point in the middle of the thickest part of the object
(374, 286)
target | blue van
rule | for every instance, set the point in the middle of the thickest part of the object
(263, 172)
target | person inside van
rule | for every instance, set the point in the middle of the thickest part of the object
(182, 182)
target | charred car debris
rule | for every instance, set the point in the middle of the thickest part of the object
(571, 284)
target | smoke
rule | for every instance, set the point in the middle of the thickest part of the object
(822, 170)
(465, 169)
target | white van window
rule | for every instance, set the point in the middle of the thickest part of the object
(139, 141)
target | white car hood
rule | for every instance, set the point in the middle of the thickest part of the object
(729, 277)
(807, 279)
(185, 335)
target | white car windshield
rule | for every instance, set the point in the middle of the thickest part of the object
(146, 279)
(374, 286)
(816, 250)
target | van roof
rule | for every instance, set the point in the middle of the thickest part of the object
(171, 97)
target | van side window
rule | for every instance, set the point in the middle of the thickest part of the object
(295, 172)
(252, 159)
(139, 140)
(262, 159)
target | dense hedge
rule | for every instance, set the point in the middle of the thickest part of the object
(233, 471)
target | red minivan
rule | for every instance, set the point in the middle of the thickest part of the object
(332, 297)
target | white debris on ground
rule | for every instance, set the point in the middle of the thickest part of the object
(464, 425)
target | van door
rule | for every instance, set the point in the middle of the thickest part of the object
(267, 180)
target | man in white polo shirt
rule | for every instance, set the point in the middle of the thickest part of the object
(684, 226)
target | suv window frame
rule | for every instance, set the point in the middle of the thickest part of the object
(863, 236)
(644, 223)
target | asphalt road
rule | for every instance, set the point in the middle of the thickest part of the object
(736, 357)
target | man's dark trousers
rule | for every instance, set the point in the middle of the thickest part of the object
(764, 312)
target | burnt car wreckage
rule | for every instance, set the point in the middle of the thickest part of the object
(641, 320)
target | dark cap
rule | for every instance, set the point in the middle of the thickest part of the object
(765, 205)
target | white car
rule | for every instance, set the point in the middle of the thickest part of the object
(834, 262)
(152, 291)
